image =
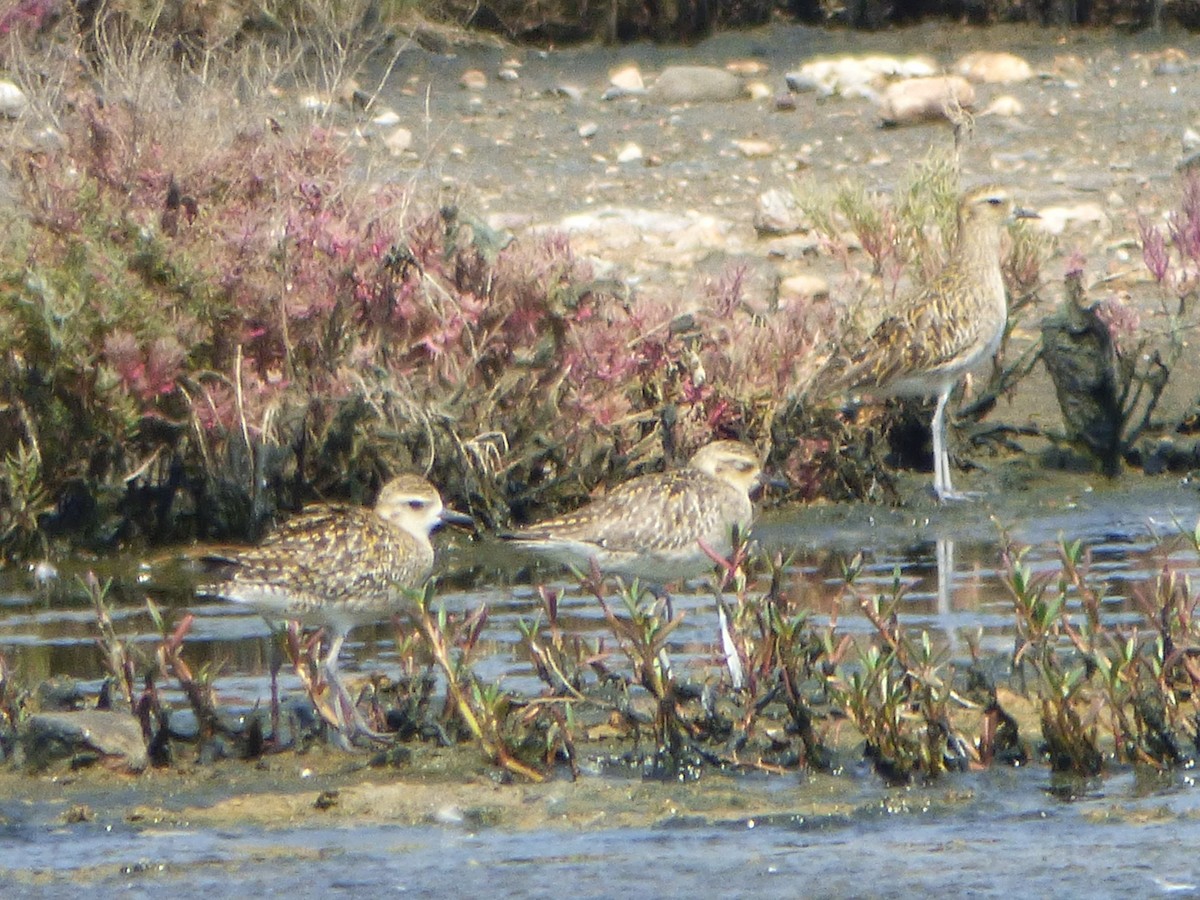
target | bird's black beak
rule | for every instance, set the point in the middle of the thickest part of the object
(769, 481)
(1022, 213)
(454, 517)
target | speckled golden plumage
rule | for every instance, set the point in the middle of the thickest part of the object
(939, 333)
(339, 566)
(652, 526)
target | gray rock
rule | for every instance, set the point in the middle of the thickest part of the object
(777, 213)
(58, 693)
(84, 737)
(696, 84)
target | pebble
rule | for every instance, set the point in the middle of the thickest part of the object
(386, 119)
(114, 737)
(785, 103)
(793, 246)
(44, 573)
(588, 130)
(675, 240)
(12, 99)
(753, 148)
(450, 814)
(315, 103)
(993, 67)
(473, 80)
(507, 75)
(1068, 65)
(759, 90)
(398, 141)
(1191, 139)
(924, 99)
(631, 152)
(696, 84)
(628, 79)
(802, 287)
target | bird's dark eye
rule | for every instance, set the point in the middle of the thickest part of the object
(416, 504)
(994, 201)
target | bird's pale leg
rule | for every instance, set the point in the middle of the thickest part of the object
(345, 706)
(941, 455)
(729, 649)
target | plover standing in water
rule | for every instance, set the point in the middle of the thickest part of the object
(941, 332)
(655, 527)
(659, 528)
(338, 567)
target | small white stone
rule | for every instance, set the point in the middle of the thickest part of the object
(386, 119)
(631, 152)
(856, 76)
(777, 212)
(1057, 219)
(449, 814)
(588, 130)
(507, 75)
(759, 90)
(398, 141)
(12, 99)
(753, 148)
(802, 287)
(627, 78)
(1191, 139)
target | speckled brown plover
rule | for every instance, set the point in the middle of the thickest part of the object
(338, 567)
(941, 332)
(655, 527)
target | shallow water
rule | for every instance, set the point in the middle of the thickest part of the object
(989, 835)
(1108, 837)
(1132, 530)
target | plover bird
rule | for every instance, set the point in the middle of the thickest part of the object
(655, 527)
(941, 332)
(338, 567)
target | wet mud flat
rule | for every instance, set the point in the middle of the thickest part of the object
(317, 825)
